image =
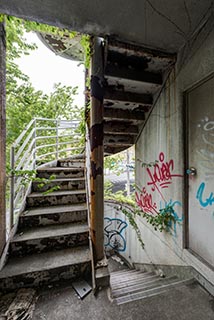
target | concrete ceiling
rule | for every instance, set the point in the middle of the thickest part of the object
(164, 25)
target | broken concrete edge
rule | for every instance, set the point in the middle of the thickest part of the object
(102, 275)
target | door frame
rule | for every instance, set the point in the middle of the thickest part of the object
(186, 165)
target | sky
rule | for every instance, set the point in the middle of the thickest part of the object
(45, 68)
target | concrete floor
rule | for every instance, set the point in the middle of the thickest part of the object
(60, 302)
(184, 303)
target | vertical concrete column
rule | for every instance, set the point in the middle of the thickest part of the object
(96, 142)
(2, 136)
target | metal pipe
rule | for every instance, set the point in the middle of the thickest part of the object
(12, 185)
(2, 136)
(96, 155)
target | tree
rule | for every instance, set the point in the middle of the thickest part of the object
(23, 101)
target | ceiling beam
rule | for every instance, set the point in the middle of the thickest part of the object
(118, 140)
(129, 48)
(109, 150)
(124, 115)
(112, 127)
(134, 74)
(112, 94)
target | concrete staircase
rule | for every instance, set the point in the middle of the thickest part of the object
(131, 285)
(52, 240)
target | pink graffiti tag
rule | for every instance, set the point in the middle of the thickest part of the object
(145, 202)
(161, 176)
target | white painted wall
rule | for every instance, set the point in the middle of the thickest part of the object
(163, 136)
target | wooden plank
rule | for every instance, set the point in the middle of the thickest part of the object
(135, 74)
(112, 127)
(112, 94)
(2, 136)
(116, 114)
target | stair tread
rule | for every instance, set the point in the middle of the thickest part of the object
(152, 291)
(60, 169)
(62, 180)
(140, 287)
(56, 193)
(46, 261)
(51, 231)
(35, 211)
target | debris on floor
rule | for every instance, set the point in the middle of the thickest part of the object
(22, 306)
(81, 287)
(118, 259)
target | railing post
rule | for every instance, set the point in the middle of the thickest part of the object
(34, 146)
(2, 136)
(12, 185)
(57, 139)
(96, 157)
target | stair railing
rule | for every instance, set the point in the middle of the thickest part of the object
(42, 141)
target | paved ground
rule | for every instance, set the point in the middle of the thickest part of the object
(190, 302)
(184, 303)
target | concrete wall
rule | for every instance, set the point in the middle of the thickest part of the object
(162, 139)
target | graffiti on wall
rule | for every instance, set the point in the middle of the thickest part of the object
(206, 151)
(174, 205)
(202, 197)
(161, 176)
(113, 238)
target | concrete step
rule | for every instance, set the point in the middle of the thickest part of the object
(35, 217)
(71, 163)
(149, 292)
(62, 184)
(130, 276)
(38, 199)
(44, 268)
(49, 238)
(129, 283)
(141, 286)
(60, 172)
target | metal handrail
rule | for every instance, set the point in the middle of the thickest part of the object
(34, 146)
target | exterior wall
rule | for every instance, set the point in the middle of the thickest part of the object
(162, 139)
(119, 235)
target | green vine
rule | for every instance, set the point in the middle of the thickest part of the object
(131, 217)
(162, 221)
(30, 176)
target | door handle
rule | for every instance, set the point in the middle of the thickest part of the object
(191, 171)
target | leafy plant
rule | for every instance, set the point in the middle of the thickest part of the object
(162, 221)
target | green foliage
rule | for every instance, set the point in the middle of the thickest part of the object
(121, 199)
(131, 217)
(23, 101)
(150, 164)
(113, 163)
(86, 44)
(161, 221)
(29, 176)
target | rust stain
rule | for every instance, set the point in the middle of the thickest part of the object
(97, 88)
(96, 136)
(95, 171)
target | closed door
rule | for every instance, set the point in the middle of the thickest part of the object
(200, 104)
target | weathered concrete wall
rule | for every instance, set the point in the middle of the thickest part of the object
(162, 139)
(118, 233)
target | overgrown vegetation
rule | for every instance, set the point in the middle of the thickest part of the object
(24, 102)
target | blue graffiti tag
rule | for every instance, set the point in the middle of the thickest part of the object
(170, 207)
(112, 232)
(201, 198)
